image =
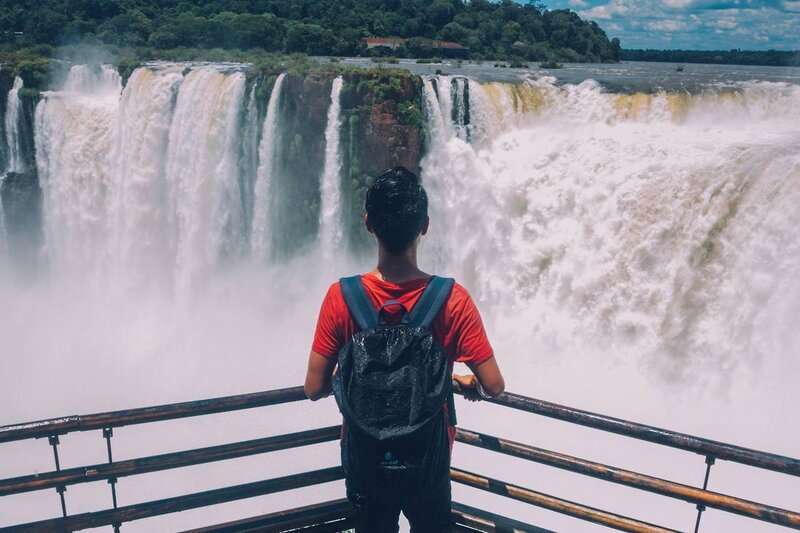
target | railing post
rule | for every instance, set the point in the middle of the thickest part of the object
(107, 434)
(61, 489)
(710, 460)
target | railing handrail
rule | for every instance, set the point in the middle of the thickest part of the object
(52, 428)
(665, 437)
(181, 503)
(143, 415)
(167, 461)
(553, 503)
(629, 478)
(656, 435)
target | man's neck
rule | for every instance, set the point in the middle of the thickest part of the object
(398, 268)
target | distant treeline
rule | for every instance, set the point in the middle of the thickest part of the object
(725, 57)
(491, 30)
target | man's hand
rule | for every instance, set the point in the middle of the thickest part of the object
(469, 386)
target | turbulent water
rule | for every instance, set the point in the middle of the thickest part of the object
(634, 254)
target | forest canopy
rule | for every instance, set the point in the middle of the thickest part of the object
(491, 30)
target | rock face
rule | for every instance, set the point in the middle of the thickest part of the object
(300, 159)
(382, 127)
(20, 193)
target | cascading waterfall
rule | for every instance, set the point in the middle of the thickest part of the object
(261, 238)
(618, 216)
(13, 110)
(251, 138)
(204, 207)
(141, 248)
(330, 224)
(629, 219)
(74, 134)
(142, 186)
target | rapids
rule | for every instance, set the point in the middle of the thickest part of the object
(634, 254)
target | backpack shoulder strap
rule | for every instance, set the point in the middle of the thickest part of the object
(359, 304)
(433, 298)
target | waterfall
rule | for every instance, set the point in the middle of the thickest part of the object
(141, 187)
(251, 137)
(261, 238)
(140, 239)
(460, 109)
(204, 209)
(330, 220)
(625, 221)
(74, 134)
(13, 110)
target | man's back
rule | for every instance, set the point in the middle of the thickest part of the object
(396, 212)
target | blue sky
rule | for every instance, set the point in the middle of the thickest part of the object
(694, 24)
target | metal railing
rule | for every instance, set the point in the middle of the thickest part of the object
(337, 515)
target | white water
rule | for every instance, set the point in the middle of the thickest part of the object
(13, 110)
(202, 185)
(634, 255)
(330, 217)
(74, 134)
(261, 238)
(141, 248)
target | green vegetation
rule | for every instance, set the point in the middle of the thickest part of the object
(729, 57)
(551, 64)
(220, 30)
(389, 60)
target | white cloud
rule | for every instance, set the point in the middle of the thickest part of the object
(611, 9)
(724, 24)
(699, 24)
(668, 26)
(578, 3)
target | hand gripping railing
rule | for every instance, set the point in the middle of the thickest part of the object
(337, 516)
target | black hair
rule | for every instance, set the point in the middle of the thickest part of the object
(397, 207)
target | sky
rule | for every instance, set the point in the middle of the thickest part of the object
(694, 24)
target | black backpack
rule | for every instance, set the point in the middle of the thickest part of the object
(392, 384)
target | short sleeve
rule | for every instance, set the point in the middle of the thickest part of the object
(466, 337)
(329, 336)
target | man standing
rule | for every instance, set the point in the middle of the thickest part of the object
(393, 470)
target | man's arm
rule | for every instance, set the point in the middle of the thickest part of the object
(318, 376)
(487, 374)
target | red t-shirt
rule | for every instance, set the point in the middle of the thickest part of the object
(457, 328)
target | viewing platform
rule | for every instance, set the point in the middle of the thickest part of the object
(335, 516)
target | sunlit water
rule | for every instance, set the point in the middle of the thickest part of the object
(633, 253)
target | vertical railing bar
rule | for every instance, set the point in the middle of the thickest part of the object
(710, 460)
(107, 434)
(61, 489)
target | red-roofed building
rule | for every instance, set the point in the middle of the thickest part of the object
(388, 42)
(441, 48)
